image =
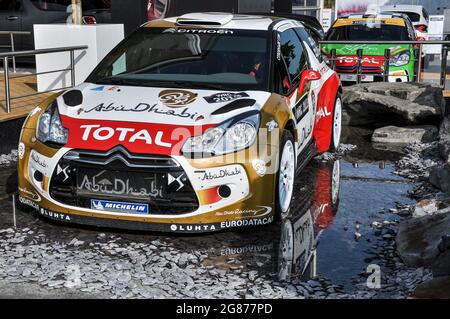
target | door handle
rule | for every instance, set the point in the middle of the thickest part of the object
(12, 18)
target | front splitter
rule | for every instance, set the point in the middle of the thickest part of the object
(146, 226)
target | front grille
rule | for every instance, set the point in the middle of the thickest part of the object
(82, 176)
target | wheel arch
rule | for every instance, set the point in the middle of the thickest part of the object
(323, 125)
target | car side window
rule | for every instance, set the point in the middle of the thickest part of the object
(9, 5)
(308, 39)
(293, 53)
(283, 80)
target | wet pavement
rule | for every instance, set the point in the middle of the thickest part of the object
(321, 250)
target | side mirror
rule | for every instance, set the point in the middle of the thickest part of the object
(308, 76)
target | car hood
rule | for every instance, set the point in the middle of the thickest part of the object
(112, 115)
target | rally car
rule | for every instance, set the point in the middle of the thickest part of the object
(373, 27)
(192, 124)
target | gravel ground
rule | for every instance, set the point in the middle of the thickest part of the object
(78, 263)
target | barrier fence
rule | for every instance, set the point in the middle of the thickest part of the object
(12, 55)
(12, 42)
(383, 72)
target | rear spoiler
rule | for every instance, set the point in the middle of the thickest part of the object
(311, 23)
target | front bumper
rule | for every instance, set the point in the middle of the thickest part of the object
(394, 76)
(48, 183)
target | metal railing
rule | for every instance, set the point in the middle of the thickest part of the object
(6, 56)
(12, 45)
(387, 58)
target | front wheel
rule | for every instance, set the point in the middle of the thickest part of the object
(337, 124)
(285, 175)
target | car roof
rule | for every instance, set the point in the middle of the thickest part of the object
(403, 7)
(221, 20)
(385, 15)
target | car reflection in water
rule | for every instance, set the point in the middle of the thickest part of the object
(314, 209)
(287, 249)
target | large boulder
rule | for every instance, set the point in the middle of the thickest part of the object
(440, 177)
(405, 135)
(382, 104)
(444, 139)
(418, 239)
(437, 288)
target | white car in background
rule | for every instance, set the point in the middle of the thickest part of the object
(418, 16)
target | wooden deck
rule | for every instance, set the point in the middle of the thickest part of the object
(22, 106)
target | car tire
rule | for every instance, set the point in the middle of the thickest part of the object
(335, 173)
(285, 177)
(285, 251)
(336, 126)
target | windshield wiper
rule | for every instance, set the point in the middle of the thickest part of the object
(149, 83)
(118, 81)
(201, 85)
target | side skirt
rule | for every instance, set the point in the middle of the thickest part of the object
(306, 156)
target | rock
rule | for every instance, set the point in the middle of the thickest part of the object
(405, 135)
(418, 238)
(437, 288)
(440, 177)
(441, 266)
(426, 207)
(381, 104)
(444, 139)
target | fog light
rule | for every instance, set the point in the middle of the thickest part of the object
(224, 191)
(38, 176)
(260, 167)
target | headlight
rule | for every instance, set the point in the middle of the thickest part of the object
(50, 128)
(400, 59)
(231, 136)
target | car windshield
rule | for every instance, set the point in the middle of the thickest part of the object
(196, 58)
(368, 31)
(62, 5)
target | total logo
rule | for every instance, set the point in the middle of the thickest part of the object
(366, 60)
(122, 134)
(321, 113)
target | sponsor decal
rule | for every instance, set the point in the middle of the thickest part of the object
(28, 202)
(246, 222)
(30, 194)
(136, 137)
(119, 207)
(21, 150)
(53, 215)
(321, 113)
(199, 31)
(193, 228)
(98, 88)
(225, 97)
(37, 159)
(301, 108)
(118, 186)
(177, 98)
(141, 108)
(278, 47)
(222, 173)
(259, 212)
(123, 134)
(365, 60)
(222, 225)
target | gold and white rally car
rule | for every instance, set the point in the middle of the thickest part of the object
(191, 124)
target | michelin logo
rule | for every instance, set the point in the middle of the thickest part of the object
(119, 207)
